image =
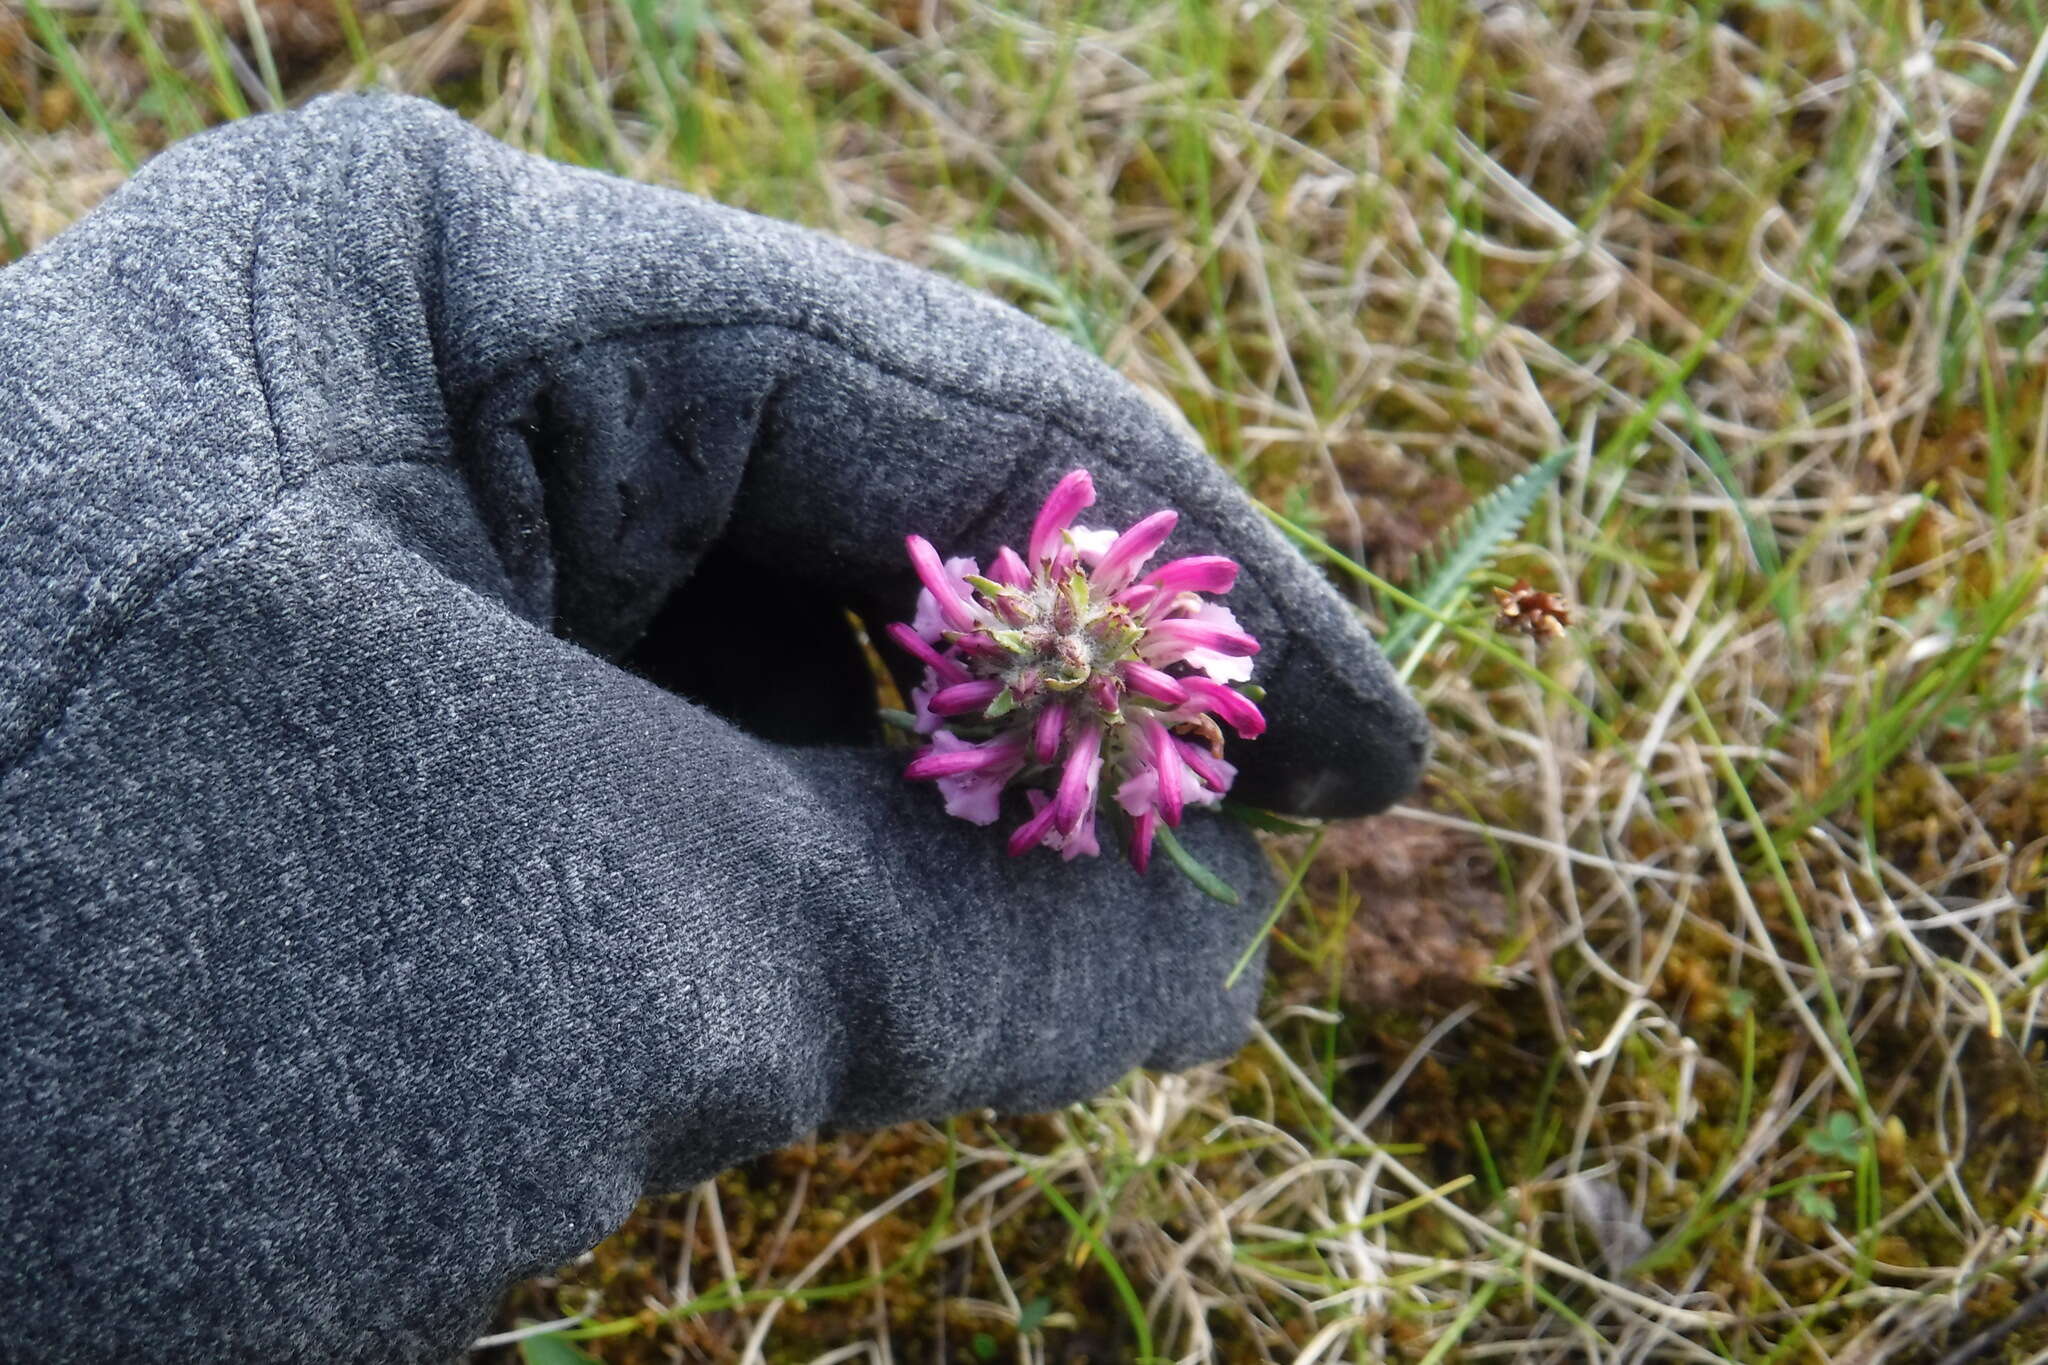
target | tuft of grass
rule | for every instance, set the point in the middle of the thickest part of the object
(1694, 1010)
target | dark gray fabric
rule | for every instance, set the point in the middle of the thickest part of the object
(381, 918)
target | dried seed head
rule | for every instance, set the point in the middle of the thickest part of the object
(1537, 614)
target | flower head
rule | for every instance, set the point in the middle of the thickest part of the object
(1539, 615)
(1072, 671)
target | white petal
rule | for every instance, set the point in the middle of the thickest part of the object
(1090, 544)
(1224, 668)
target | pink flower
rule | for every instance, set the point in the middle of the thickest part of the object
(946, 602)
(970, 776)
(1064, 671)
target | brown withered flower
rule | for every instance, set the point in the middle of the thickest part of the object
(1536, 614)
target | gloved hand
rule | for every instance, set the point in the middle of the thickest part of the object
(381, 917)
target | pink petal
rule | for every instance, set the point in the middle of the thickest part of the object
(962, 698)
(1104, 690)
(1196, 573)
(1078, 841)
(1062, 505)
(1224, 668)
(1077, 782)
(1009, 570)
(926, 620)
(1128, 555)
(1144, 678)
(1233, 706)
(1138, 794)
(950, 599)
(950, 756)
(1136, 597)
(975, 794)
(921, 705)
(1142, 793)
(1032, 832)
(913, 643)
(1172, 771)
(1215, 775)
(1168, 642)
(976, 797)
(1071, 846)
(979, 645)
(1047, 732)
(1143, 830)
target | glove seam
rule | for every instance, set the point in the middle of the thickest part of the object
(103, 641)
(92, 644)
(257, 227)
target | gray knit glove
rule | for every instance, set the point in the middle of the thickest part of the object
(378, 918)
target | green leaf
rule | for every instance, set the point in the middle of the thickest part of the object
(1077, 590)
(1467, 547)
(1033, 1316)
(1212, 885)
(1841, 1137)
(552, 1348)
(1003, 705)
(1814, 1204)
(984, 1346)
(1265, 820)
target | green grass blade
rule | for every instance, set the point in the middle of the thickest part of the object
(1280, 905)
(227, 92)
(58, 44)
(259, 40)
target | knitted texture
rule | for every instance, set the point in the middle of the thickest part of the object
(439, 798)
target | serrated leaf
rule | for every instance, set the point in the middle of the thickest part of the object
(1469, 545)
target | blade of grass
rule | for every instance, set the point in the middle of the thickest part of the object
(227, 91)
(1134, 1309)
(1280, 904)
(57, 43)
(259, 40)
(173, 92)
